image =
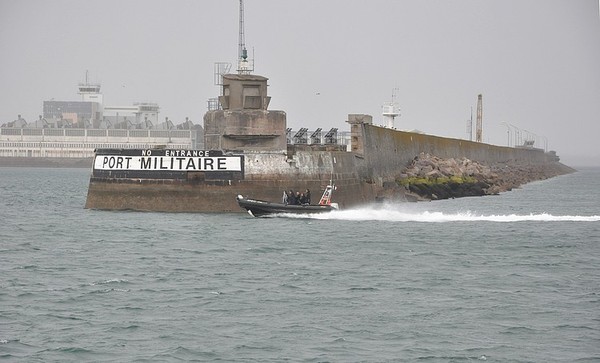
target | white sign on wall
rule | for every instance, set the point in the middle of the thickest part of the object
(168, 163)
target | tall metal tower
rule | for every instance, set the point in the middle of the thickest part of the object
(478, 128)
(243, 64)
(390, 111)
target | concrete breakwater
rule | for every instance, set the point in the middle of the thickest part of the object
(390, 151)
(368, 173)
(246, 152)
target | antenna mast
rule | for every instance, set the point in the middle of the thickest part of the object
(243, 65)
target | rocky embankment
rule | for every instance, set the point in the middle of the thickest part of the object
(429, 177)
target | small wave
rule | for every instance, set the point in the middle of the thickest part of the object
(364, 289)
(446, 358)
(593, 358)
(130, 308)
(65, 317)
(27, 267)
(290, 286)
(111, 281)
(183, 354)
(519, 330)
(391, 215)
(575, 327)
(105, 291)
(72, 350)
(187, 250)
(265, 249)
(124, 328)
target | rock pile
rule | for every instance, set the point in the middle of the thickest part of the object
(429, 177)
(433, 167)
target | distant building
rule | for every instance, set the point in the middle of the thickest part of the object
(74, 129)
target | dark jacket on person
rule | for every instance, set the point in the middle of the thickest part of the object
(292, 198)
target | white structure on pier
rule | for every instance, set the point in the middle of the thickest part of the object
(390, 111)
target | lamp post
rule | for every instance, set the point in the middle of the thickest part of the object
(507, 133)
(518, 135)
(545, 143)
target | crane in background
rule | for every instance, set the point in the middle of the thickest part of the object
(478, 127)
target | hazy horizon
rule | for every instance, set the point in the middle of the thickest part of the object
(536, 62)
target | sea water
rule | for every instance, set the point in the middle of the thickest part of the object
(508, 278)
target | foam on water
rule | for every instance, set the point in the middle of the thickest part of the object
(394, 215)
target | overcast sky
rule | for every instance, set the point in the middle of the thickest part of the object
(536, 62)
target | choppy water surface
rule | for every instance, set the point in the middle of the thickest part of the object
(509, 278)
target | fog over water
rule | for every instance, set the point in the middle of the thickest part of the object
(536, 62)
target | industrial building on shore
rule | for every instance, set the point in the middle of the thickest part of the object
(74, 129)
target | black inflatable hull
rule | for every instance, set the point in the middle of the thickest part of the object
(260, 208)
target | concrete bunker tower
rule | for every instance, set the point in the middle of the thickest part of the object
(243, 123)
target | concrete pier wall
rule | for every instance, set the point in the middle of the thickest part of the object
(359, 176)
(266, 177)
(388, 151)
